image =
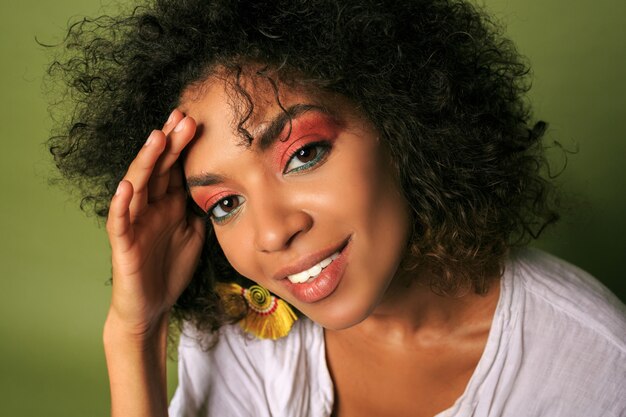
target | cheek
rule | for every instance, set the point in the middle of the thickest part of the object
(367, 192)
(238, 249)
(378, 211)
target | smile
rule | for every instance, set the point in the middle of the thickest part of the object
(316, 276)
(314, 271)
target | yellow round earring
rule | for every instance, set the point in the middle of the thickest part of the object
(266, 316)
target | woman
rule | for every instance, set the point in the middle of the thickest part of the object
(371, 164)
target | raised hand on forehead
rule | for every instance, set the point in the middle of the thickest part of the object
(155, 241)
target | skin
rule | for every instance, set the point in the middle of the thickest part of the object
(283, 218)
(155, 246)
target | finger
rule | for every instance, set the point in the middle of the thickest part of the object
(141, 197)
(176, 182)
(180, 136)
(175, 117)
(155, 192)
(140, 171)
(118, 221)
(198, 224)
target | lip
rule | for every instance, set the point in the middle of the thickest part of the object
(309, 261)
(325, 283)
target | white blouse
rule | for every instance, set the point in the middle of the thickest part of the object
(556, 348)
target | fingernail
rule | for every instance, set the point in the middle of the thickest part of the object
(180, 125)
(117, 191)
(149, 141)
(169, 120)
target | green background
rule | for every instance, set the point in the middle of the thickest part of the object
(54, 260)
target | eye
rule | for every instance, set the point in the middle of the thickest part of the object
(307, 157)
(225, 208)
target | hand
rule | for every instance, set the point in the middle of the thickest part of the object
(155, 242)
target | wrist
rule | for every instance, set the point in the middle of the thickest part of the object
(136, 362)
(141, 335)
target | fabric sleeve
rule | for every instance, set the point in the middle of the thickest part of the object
(220, 381)
(243, 376)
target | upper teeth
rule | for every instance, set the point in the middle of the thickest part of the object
(312, 272)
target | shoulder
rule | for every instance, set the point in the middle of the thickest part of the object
(557, 345)
(231, 345)
(232, 373)
(565, 344)
(569, 296)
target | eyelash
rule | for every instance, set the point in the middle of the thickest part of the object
(323, 145)
(222, 219)
(323, 149)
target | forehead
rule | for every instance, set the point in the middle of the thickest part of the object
(247, 104)
(246, 108)
(231, 116)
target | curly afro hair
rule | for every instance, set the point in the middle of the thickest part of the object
(441, 84)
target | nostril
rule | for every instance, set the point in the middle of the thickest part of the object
(275, 233)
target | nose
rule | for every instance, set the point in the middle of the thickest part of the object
(278, 222)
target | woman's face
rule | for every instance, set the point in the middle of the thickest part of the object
(309, 211)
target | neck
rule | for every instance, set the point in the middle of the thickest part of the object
(410, 312)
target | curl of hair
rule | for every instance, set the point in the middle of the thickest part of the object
(440, 82)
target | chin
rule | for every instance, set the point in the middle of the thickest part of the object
(338, 316)
(349, 305)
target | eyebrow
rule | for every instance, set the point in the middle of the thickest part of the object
(268, 137)
(204, 180)
(271, 133)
